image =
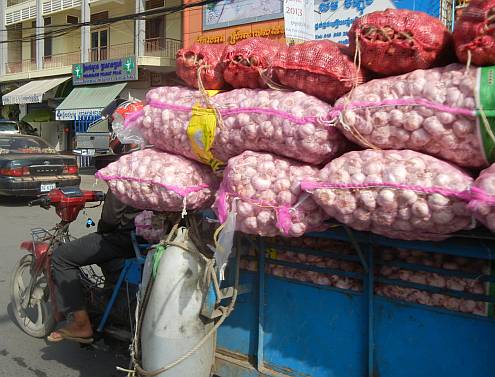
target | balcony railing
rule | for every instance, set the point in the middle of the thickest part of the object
(157, 47)
(23, 66)
(162, 47)
(112, 52)
(61, 60)
(49, 62)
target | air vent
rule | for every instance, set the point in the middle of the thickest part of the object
(73, 20)
(153, 4)
(100, 16)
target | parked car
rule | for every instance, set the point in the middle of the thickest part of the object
(29, 167)
(13, 127)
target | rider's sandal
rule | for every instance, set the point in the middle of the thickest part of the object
(65, 335)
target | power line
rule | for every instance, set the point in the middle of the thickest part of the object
(134, 16)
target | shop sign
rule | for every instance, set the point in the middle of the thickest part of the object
(227, 13)
(239, 35)
(105, 71)
(334, 18)
(77, 114)
(299, 20)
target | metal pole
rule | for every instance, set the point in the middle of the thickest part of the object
(40, 33)
(4, 50)
(139, 30)
(371, 312)
(85, 31)
(261, 305)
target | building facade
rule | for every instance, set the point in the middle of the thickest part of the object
(42, 40)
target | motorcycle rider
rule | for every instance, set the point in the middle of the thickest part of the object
(112, 240)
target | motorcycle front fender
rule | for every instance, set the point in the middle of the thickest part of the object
(38, 249)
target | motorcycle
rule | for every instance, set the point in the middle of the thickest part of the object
(110, 290)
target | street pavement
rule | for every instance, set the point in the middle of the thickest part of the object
(21, 355)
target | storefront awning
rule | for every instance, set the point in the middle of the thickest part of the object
(32, 92)
(87, 101)
(39, 115)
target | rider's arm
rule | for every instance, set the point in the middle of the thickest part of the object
(111, 214)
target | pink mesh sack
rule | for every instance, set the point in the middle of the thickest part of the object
(320, 68)
(264, 191)
(291, 124)
(152, 180)
(396, 41)
(446, 112)
(482, 203)
(248, 61)
(146, 229)
(474, 33)
(397, 194)
(208, 58)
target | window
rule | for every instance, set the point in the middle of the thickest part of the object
(48, 40)
(99, 38)
(155, 29)
(99, 45)
(23, 145)
(8, 126)
(73, 20)
(48, 45)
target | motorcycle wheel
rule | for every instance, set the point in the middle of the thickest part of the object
(35, 318)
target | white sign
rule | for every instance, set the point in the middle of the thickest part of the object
(77, 114)
(299, 19)
(22, 99)
(335, 17)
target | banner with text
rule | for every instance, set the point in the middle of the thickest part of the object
(299, 20)
(335, 17)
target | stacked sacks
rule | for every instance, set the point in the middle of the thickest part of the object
(146, 229)
(265, 192)
(482, 203)
(291, 124)
(397, 41)
(203, 58)
(319, 68)
(247, 61)
(433, 279)
(474, 33)
(442, 111)
(158, 181)
(397, 194)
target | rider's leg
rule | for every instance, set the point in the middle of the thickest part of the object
(94, 248)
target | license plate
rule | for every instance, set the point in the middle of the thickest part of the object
(48, 187)
(88, 152)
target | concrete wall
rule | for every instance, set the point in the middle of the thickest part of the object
(121, 32)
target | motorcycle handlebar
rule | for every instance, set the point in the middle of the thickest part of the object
(43, 201)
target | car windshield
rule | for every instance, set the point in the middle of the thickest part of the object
(8, 126)
(24, 145)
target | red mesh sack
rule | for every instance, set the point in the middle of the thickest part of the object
(397, 41)
(475, 32)
(245, 61)
(319, 68)
(206, 56)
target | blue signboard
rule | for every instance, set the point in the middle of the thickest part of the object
(105, 71)
(334, 18)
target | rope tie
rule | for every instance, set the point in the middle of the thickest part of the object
(347, 101)
(468, 63)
